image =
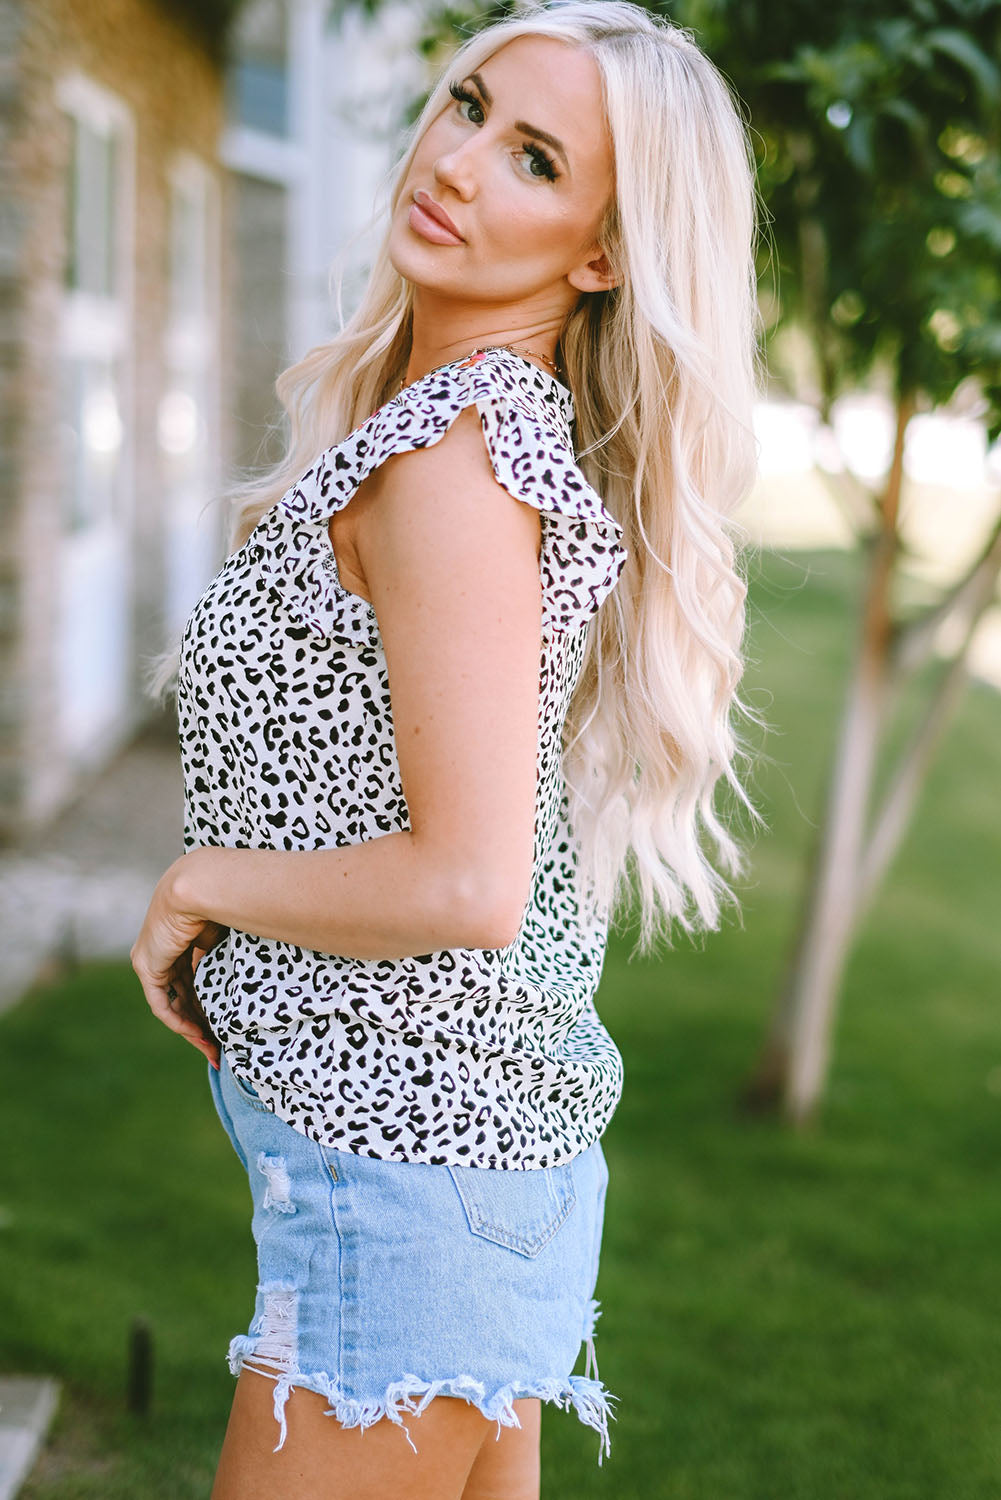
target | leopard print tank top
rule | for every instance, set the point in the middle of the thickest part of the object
(475, 1057)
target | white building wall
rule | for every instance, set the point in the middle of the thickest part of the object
(357, 78)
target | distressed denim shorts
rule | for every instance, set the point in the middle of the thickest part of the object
(382, 1284)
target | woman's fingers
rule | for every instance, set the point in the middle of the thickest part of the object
(208, 1049)
(164, 1003)
(193, 1008)
(211, 934)
(181, 988)
(198, 1035)
(174, 1003)
(164, 962)
(185, 1004)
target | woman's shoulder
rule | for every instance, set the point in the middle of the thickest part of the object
(527, 420)
(525, 416)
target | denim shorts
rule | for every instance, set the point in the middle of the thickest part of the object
(382, 1284)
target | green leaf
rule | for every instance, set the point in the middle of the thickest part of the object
(982, 220)
(964, 50)
(794, 71)
(858, 143)
(904, 110)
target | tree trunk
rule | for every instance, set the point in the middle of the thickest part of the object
(794, 1060)
(793, 1064)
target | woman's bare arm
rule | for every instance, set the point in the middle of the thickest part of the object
(451, 562)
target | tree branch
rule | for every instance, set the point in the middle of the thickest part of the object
(857, 502)
(897, 806)
(913, 643)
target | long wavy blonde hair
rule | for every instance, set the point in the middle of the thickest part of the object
(664, 369)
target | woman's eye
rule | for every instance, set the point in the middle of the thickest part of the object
(465, 97)
(543, 162)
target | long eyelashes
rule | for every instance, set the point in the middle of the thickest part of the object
(535, 152)
(464, 96)
(544, 160)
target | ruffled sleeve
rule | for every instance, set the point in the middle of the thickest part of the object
(528, 442)
(582, 553)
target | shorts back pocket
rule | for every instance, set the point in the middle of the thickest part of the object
(519, 1209)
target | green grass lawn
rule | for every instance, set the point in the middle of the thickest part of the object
(786, 1316)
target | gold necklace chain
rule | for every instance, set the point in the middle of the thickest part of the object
(536, 352)
(482, 349)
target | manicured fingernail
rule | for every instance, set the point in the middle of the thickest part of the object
(214, 1064)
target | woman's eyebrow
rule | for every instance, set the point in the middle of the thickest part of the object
(543, 135)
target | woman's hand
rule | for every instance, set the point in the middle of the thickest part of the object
(171, 944)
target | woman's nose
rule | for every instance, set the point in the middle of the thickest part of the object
(458, 170)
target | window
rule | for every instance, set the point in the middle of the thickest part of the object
(257, 76)
(187, 413)
(91, 431)
(91, 204)
(95, 324)
(183, 418)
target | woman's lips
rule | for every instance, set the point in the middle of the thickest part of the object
(422, 223)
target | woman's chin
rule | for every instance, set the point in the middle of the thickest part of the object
(410, 264)
(423, 276)
(420, 261)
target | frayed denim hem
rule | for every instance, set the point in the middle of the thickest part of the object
(587, 1395)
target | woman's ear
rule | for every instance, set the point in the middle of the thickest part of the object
(593, 275)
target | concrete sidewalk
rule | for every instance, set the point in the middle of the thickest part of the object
(81, 889)
(27, 1405)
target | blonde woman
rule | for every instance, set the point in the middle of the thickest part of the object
(424, 729)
